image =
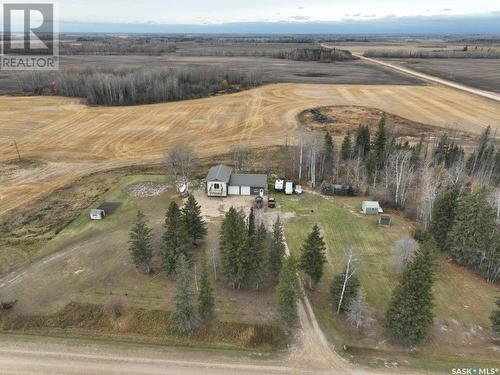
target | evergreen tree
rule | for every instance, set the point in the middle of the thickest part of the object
(409, 315)
(258, 267)
(328, 148)
(183, 317)
(251, 222)
(346, 150)
(443, 217)
(473, 239)
(313, 256)
(371, 165)
(233, 244)
(351, 290)
(206, 301)
(175, 239)
(362, 143)
(288, 291)
(440, 154)
(495, 318)
(277, 251)
(380, 144)
(193, 221)
(141, 249)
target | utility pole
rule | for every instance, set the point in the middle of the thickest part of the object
(17, 150)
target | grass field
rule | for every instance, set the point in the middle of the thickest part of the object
(73, 139)
(461, 331)
(88, 263)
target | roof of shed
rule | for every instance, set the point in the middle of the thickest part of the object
(371, 204)
(220, 173)
(252, 180)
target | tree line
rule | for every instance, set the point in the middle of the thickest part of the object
(133, 87)
(315, 54)
(465, 53)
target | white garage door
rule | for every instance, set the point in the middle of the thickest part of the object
(233, 190)
(245, 190)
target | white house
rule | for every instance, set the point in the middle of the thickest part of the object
(371, 208)
(218, 180)
(221, 182)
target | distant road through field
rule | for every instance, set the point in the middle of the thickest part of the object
(472, 90)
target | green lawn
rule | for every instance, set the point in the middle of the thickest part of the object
(97, 266)
(463, 301)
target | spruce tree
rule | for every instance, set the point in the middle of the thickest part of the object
(346, 150)
(258, 261)
(183, 317)
(193, 221)
(175, 239)
(288, 291)
(251, 222)
(233, 245)
(471, 241)
(328, 149)
(443, 217)
(362, 143)
(409, 315)
(206, 301)
(277, 250)
(495, 318)
(350, 292)
(141, 249)
(380, 143)
(313, 256)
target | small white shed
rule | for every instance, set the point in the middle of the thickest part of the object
(371, 208)
(97, 214)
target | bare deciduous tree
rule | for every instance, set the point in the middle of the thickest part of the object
(428, 192)
(402, 251)
(357, 312)
(400, 174)
(350, 271)
(180, 163)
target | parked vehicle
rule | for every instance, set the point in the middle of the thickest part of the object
(289, 188)
(298, 189)
(278, 185)
(259, 202)
(271, 203)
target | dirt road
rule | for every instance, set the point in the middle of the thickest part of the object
(428, 77)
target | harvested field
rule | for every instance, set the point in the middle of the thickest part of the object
(270, 70)
(74, 139)
(479, 73)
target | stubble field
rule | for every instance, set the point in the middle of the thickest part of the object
(74, 139)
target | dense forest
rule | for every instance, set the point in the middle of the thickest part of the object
(127, 87)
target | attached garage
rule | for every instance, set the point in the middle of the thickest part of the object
(245, 190)
(248, 184)
(233, 190)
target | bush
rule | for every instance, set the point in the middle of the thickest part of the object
(115, 307)
(327, 188)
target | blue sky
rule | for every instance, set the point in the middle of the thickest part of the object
(201, 12)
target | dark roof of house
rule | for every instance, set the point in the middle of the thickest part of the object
(252, 180)
(220, 173)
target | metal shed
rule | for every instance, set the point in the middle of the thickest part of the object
(371, 208)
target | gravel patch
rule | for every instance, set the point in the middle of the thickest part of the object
(146, 189)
